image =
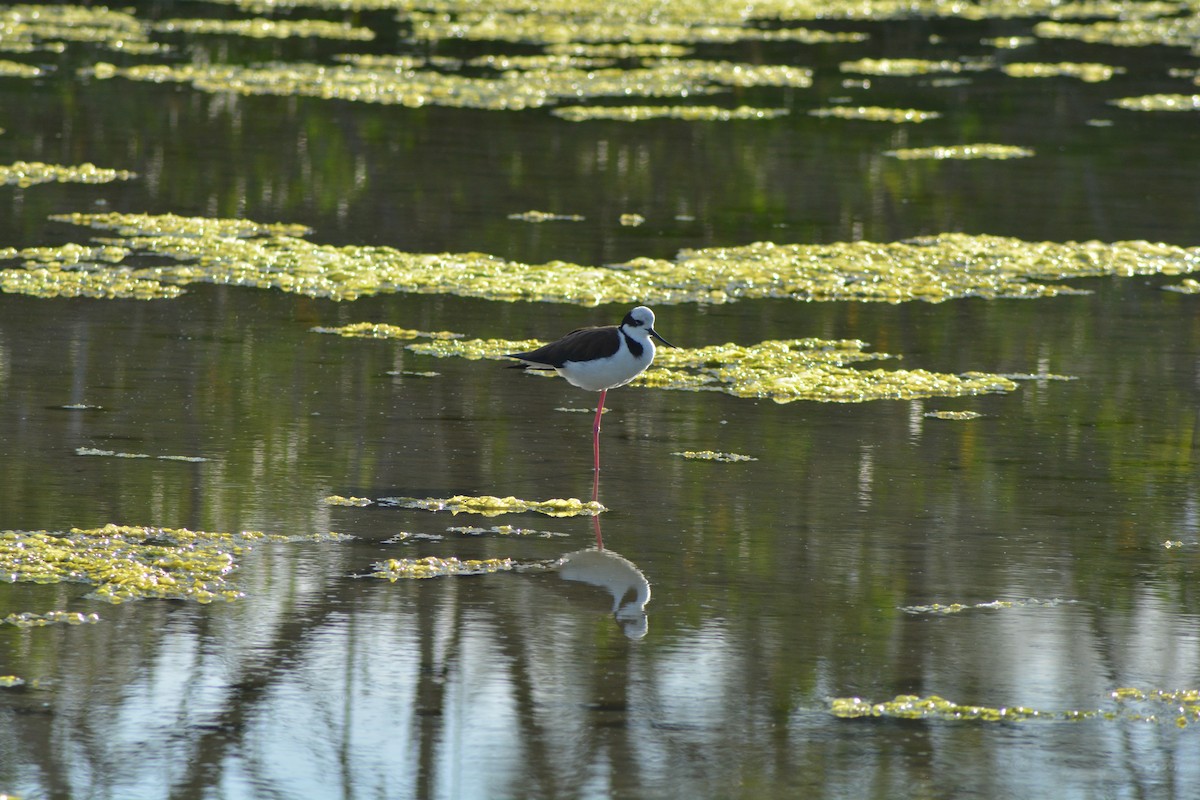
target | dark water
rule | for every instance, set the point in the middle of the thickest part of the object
(776, 584)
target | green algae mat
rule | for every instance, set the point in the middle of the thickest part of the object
(282, 256)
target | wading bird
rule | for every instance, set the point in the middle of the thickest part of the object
(598, 359)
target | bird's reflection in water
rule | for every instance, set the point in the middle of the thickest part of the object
(616, 574)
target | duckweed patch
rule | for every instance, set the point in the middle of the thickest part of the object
(643, 113)
(246, 253)
(382, 330)
(1089, 73)
(15, 69)
(711, 455)
(631, 220)
(1187, 286)
(876, 114)
(28, 619)
(961, 152)
(1161, 28)
(92, 451)
(1159, 102)
(545, 216)
(953, 414)
(957, 608)
(29, 173)
(11, 682)
(780, 370)
(907, 706)
(394, 569)
(266, 28)
(490, 506)
(388, 81)
(128, 563)
(899, 66)
(338, 500)
(502, 530)
(29, 28)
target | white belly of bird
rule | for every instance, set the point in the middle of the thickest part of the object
(606, 373)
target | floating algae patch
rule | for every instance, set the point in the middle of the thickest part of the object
(674, 23)
(1165, 29)
(545, 216)
(382, 330)
(128, 563)
(876, 114)
(1187, 286)
(961, 152)
(711, 455)
(502, 530)
(267, 28)
(953, 414)
(27, 28)
(489, 506)
(28, 619)
(394, 569)
(643, 113)
(92, 451)
(378, 81)
(15, 69)
(1089, 73)
(1155, 706)
(545, 61)
(338, 500)
(899, 66)
(957, 608)
(907, 706)
(780, 370)
(1159, 102)
(246, 253)
(29, 173)
(1180, 706)
(620, 50)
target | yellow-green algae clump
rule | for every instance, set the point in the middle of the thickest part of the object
(961, 152)
(1159, 102)
(643, 113)
(403, 81)
(780, 370)
(958, 608)
(953, 415)
(712, 455)
(876, 114)
(545, 216)
(1180, 707)
(353, 502)
(29, 173)
(128, 563)
(246, 253)
(26, 28)
(28, 619)
(899, 66)
(394, 569)
(1089, 73)
(267, 29)
(490, 506)
(907, 706)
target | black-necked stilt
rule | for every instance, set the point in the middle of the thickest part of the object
(599, 359)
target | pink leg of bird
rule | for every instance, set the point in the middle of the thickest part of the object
(596, 447)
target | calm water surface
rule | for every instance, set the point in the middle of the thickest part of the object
(776, 585)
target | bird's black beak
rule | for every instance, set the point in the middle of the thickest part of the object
(654, 333)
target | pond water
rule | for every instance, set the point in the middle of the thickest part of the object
(1040, 557)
